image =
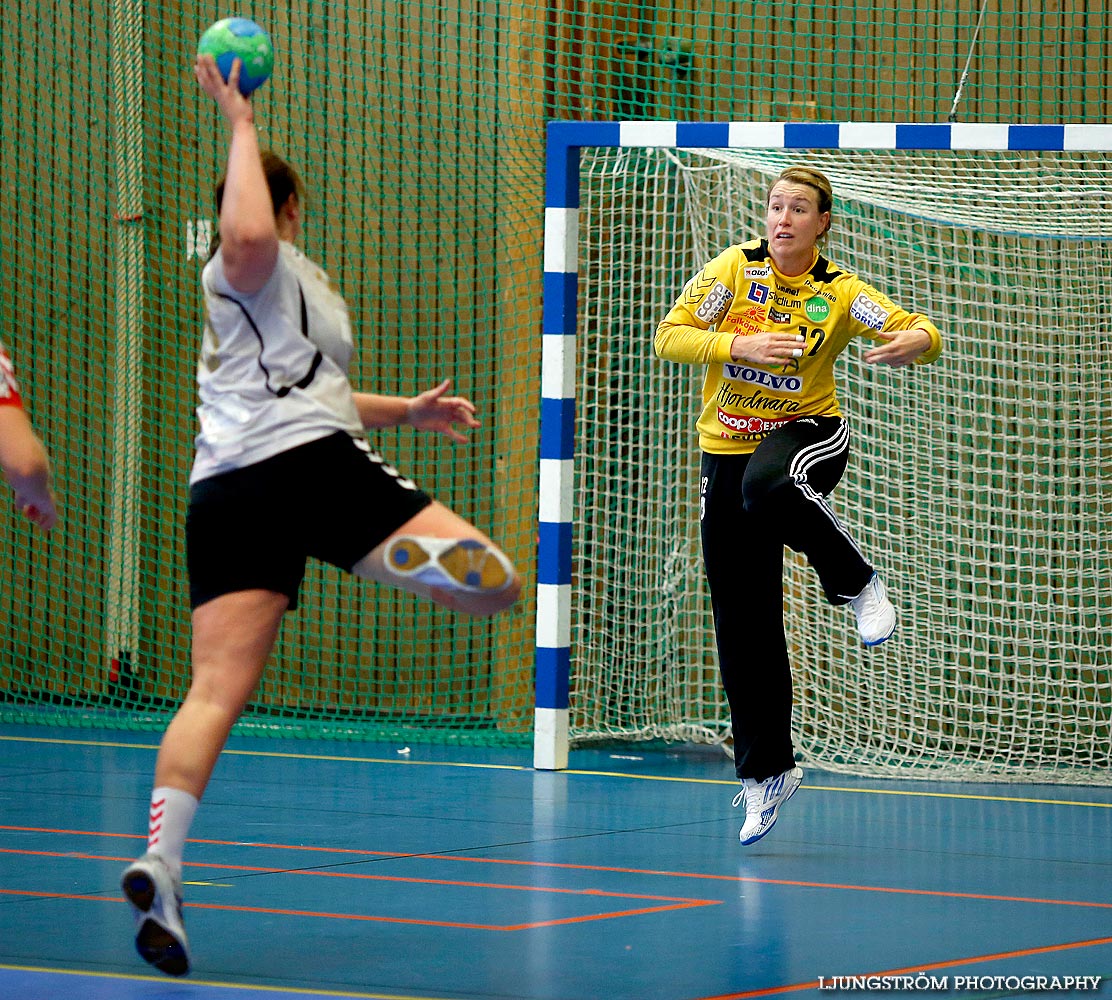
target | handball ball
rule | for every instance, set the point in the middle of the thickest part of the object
(239, 38)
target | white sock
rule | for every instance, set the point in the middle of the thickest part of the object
(171, 816)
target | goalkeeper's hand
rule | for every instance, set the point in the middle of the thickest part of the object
(899, 347)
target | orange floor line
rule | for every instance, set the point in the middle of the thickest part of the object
(622, 913)
(602, 868)
(280, 911)
(687, 900)
(912, 970)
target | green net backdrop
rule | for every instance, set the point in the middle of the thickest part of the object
(977, 484)
(418, 128)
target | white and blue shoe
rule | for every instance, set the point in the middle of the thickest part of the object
(876, 618)
(156, 900)
(763, 800)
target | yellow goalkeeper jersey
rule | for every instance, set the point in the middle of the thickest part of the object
(740, 292)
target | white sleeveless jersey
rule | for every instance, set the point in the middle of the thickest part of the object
(273, 368)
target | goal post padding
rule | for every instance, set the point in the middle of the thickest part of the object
(975, 484)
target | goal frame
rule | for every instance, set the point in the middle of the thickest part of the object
(565, 140)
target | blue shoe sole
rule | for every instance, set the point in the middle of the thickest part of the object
(877, 642)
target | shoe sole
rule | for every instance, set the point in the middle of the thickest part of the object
(877, 642)
(155, 944)
(753, 840)
(139, 890)
(158, 947)
(467, 565)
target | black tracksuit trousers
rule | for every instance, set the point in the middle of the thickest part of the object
(751, 506)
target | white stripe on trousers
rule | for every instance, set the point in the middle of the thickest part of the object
(807, 458)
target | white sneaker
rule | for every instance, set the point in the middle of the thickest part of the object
(876, 618)
(155, 898)
(763, 800)
(450, 563)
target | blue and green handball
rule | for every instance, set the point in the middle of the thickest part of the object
(239, 38)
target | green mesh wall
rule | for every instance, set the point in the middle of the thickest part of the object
(419, 130)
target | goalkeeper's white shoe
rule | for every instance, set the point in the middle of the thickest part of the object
(156, 900)
(763, 800)
(876, 618)
(463, 564)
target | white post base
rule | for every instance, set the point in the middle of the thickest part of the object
(550, 739)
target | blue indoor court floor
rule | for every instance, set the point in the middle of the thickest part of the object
(346, 869)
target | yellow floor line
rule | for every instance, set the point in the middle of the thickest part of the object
(406, 762)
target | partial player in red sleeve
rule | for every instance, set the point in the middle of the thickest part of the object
(23, 457)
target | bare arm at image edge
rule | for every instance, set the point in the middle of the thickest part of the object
(26, 467)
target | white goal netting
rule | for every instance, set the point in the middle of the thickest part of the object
(980, 486)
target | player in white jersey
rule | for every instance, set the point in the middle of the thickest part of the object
(283, 472)
(23, 457)
(768, 318)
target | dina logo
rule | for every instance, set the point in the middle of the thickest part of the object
(817, 309)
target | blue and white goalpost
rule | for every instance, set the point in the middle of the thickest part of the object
(561, 297)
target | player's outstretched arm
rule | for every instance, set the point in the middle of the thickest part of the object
(432, 410)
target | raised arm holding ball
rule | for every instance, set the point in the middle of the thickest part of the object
(283, 472)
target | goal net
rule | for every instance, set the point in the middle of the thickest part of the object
(978, 486)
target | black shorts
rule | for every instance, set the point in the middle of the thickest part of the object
(253, 528)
